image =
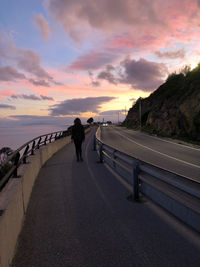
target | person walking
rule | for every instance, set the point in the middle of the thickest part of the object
(78, 135)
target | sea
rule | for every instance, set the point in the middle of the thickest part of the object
(15, 136)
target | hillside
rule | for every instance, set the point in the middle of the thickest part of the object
(173, 109)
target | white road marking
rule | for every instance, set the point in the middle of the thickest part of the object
(174, 143)
(165, 155)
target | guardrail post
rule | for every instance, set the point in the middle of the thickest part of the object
(25, 154)
(101, 153)
(94, 143)
(45, 141)
(16, 161)
(32, 149)
(38, 144)
(135, 173)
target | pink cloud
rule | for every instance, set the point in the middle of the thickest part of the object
(171, 54)
(122, 42)
(43, 26)
(92, 60)
(132, 41)
(103, 15)
(6, 93)
(131, 24)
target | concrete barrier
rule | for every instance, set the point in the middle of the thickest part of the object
(14, 198)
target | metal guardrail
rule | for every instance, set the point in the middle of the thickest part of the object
(125, 164)
(20, 155)
(166, 187)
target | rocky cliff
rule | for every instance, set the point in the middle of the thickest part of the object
(173, 109)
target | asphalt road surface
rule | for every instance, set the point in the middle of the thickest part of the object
(79, 216)
(181, 159)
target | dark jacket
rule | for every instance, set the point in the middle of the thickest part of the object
(78, 133)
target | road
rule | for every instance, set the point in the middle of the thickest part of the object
(79, 216)
(181, 159)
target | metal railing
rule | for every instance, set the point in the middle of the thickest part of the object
(133, 169)
(20, 155)
(166, 187)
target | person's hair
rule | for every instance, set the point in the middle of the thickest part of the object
(77, 121)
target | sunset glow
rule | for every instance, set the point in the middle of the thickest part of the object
(65, 59)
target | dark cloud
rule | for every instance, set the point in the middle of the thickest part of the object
(171, 54)
(26, 97)
(92, 61)
(111, 112)
(29, 61)
(133, 99)
(43, 26)
(142, 74)
(57, 83)
(46, 97)
(4, 106)
(44, 83)
(79, 105)
(31, 120)
(31, 97)
(26, 60)
(95, 83)
(39, 83)
(107, 75)
(9, 73)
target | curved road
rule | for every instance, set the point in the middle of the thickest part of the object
(181, 159)
(79, 216)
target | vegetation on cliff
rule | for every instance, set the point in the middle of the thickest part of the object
(173, 109)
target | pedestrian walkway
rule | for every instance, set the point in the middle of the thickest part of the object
(79, 216)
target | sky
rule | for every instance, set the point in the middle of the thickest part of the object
(61, 59)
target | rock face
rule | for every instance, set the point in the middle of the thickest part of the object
(173, 109)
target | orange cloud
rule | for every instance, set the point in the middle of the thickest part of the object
(6, 93)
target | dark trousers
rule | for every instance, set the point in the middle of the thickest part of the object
(78, 145)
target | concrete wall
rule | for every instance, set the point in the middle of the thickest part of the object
(14, 198)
